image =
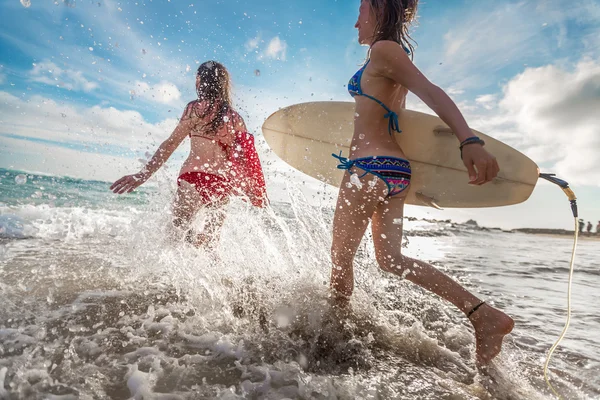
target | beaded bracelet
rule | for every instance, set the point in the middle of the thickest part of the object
(470, 140)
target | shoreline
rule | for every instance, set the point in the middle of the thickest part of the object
(557, 233)
(549, 232)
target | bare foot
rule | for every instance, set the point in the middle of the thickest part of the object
(338, 300)
(491, 325)
(340, 306)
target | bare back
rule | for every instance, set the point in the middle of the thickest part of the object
(209, 151)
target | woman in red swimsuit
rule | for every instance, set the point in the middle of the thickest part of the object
(222, 160)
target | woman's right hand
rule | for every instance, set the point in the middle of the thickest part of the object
(129, 183)
(481, 165)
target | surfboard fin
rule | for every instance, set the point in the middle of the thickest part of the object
(443, 130)
(428, 201)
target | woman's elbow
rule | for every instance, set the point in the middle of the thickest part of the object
(436, 97)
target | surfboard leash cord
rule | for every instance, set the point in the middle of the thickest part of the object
(573, 200)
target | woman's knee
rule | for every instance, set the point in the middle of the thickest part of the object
(395, 263)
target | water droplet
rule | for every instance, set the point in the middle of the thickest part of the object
(361, 136)
(303, 361)
(383, 236)
(26, 3)
(398, 221)
(21, 179)
(355, 180)
(257, 72)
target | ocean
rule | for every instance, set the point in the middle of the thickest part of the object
(97, 303)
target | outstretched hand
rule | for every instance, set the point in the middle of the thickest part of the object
(482, 166)
(129, 183)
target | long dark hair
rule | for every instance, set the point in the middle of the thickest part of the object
(394, 19)
(214, 95)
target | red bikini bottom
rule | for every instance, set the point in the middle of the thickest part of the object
(213, 189)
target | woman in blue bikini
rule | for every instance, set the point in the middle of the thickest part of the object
(378, 190)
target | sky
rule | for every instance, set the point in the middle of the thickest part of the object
(89, 89)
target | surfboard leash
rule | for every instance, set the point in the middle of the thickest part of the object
(573, 200)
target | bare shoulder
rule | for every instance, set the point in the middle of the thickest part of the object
(194, 109)
(385, 51)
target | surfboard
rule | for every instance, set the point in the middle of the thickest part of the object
(305, 135)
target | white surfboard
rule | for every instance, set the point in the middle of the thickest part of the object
(305, 135)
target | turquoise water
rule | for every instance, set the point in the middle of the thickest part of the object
(22, 188)
(98, 303)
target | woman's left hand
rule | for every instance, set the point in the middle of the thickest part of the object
(129, 183)
(482, 166)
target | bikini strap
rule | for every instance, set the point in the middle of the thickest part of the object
(345, 163)
(394, 123)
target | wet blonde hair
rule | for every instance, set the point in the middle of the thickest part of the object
(393, 21)
(214, 90)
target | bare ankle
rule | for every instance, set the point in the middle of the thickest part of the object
(471, 313)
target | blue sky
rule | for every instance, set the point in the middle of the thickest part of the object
(87, 88)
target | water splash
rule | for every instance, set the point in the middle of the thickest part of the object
(107, 295)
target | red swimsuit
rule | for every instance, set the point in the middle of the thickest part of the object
(246, 177)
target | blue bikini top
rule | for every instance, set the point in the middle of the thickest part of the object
(355, 90)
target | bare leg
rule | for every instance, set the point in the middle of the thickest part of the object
(186, 205)
(491, 325)
(352, 216)
(211, 234)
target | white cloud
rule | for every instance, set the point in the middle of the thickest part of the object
(494, 36)
(162, 92)
(453, 91)
(487, 101)
(252, 43)
(550, 113)
(42, 158)
(117, 60)
(51, 74)
(454, 44)
(276, 49)
(42, 118)
(557, 111)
